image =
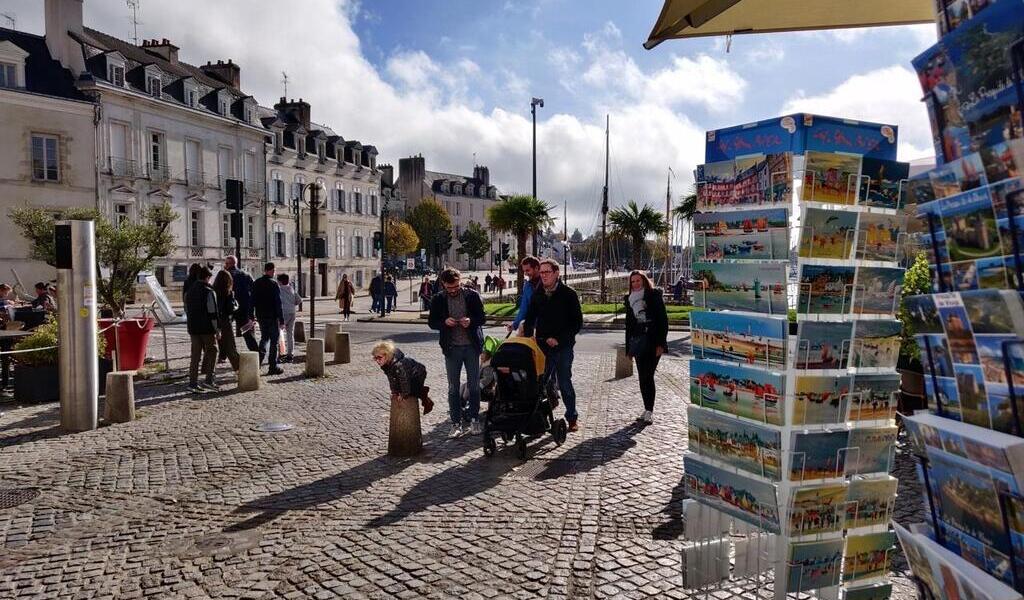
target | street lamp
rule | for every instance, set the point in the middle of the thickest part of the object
(315, 246)
(534, 103)
(385, 201)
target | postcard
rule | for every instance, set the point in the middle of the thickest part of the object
(825, 289)
(819, 454)
(870, 450)
(967, 499)
(878, 236)
(877, 290)
(1001, 192)
(821, 400)
(759, 288)
(958, 328)
(924, 313)
(746, 234)
(867, 555)
(874, 397)
(876, 344)
(916, 551)
(1002, 160)
(741, 391)
(879, 591)
(814, 565)
(823, 345)
(946, 179)
(969, 222)
(739, 338)
(827, 233)
(991, 354)
(751, 181)
(882, 182)
(746, 499)
(779, 168)
(830, 177)
(870, 502)
(818, 509)
(970, 385)
(744, 445)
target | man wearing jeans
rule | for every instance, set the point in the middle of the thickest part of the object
(266, 299)
(554, 317)
(458, 314)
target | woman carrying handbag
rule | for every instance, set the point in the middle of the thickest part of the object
(646, 335)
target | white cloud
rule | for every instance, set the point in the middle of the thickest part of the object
(889, 95)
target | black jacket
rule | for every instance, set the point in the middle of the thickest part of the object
(266, 299)
(657, 319)
(558, 316)
(201, 309)
(226, 307)
(241, 284)
(405, 375)
(474, 310)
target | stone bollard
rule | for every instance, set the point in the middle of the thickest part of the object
(120, 404)
(404, 435)
(623, 363)
(330, 331)
(342, 350)
(315, 358)
(248, 371)
(300, 331)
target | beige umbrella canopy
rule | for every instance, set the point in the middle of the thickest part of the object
(697, 18)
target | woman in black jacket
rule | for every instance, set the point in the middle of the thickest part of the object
(646, 335)
(226, 307)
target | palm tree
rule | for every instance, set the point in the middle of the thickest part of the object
(635, 224)
(521, 216)
(687, 208)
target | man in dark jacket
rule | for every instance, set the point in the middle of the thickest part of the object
(458, 314)
(376, 293)
(266, 301)
(201, 312)
(554, 317)
(241, 283)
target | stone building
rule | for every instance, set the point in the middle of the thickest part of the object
(299, 153)
(48, 158)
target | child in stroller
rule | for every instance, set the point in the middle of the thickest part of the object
(520, 407)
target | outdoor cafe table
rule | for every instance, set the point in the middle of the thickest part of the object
(7, 337)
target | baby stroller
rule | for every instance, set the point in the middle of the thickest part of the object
(521, 408)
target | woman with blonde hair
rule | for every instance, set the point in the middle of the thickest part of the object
(405, 375)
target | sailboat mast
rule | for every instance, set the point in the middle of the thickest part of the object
(604, 213)
(667, 272)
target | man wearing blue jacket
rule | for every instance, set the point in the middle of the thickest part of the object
(530, 266)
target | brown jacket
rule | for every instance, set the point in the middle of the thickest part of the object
(345, 293)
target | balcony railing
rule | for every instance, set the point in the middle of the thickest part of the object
(158, 172)
(122, 167)
(194, 178)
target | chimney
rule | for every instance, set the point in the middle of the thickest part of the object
(387, 175)
(298, 110)
(64, 17)
(164, 49)
(483, 175)
(227, 73)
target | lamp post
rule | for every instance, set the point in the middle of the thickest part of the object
(314, 248)
(534, 103)
(385, 200)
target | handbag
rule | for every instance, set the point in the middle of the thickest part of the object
(637, 344)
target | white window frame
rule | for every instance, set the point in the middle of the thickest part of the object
(339, 241)
(160, 144)
(225, 229)
(122, 213)
(154, 86)
(250, 231)
(195, 228)
(12, 54)
(277, 189)
(280, 241)
(44, 138)
(9, 75)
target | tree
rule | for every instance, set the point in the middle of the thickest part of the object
(521, 216)
(127, 249)
(433, 226)
(576, 237)
(474, 243)
(401, 238)
(635, 224)
(917, 280)
(688, 208)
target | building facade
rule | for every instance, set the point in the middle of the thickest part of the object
(48, 158)
(465, 199)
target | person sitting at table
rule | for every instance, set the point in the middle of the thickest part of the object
(43, 300)
(5, 302)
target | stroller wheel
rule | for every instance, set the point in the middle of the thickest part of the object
(505, 437)
(521, 446)
(490, 446)
(559, 430)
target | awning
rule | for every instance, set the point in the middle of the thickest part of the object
(697, 18)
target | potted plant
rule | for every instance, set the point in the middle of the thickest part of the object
(123, 251)
(916, 281)
(36, 375)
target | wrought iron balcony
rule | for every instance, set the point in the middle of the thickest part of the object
(158, 172)
(123, 167)
(194, 178)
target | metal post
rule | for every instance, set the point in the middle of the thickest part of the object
(383, 247)
(314, 230)
(75, 249)
(297, 204)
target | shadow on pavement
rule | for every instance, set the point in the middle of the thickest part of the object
(593, 452)
(672, 529)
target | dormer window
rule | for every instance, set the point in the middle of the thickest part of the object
(192, 98)
(224, 103)
(154, 86)
(12, 65)
(8, 75)
(321, 151)
(248, 114)
(278, 141)
(469, 189)
(300, 144)
(444, 187)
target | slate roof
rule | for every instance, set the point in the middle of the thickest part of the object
(43, 74)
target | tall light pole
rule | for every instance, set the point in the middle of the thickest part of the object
(385, 198)
(534, 103)
(315, 246)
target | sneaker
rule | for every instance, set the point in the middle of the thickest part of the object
(648, 417)
(275, 371)
(573, 426)
(212, 387)
(476, 428)
(195, 389)
(642, 416)
(456, 431)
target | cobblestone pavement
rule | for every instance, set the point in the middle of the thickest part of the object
(190, 501)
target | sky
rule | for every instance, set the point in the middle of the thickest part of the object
(452, 80)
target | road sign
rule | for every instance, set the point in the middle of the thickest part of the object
(410, 264)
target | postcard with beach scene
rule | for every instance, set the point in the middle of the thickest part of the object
(874, 397)
(827, 233)
(876, 344)
(878, 236)
(818, 509)
(742, 391)
(746, 499)
(814, 565)
(744, 445)
(867, 555)
(823, 345)
(818, 454)
(882, 182)
(739, 338)
(877, 290)
(757, 288)
(870, 502)
(825, 289)
(870, 450)
(830, 177)
(761, 234)
(821, 400)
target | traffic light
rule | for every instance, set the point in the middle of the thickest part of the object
(233, 191)
(378, 240)
(316, 247)
(504, 250)
(236, 225)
